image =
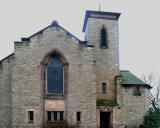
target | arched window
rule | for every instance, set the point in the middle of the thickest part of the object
(55, 77)
(104, 38)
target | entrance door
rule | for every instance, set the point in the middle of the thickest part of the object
(105, 119)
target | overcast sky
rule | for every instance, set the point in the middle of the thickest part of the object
(139, 26)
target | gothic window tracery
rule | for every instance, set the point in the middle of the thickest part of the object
(55, 77)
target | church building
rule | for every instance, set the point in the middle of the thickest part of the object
(54, 79)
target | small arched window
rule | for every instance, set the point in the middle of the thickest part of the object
(55, 77)
(104, 38)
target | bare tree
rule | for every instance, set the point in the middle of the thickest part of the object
(155, 91)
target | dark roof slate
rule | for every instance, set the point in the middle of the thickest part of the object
(130, 79)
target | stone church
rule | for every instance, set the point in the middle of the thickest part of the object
(54, 78)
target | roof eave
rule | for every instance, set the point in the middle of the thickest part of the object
(88, 12)
(147, 85)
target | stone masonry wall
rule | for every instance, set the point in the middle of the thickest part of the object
(107, 60)
(135, 106)
(5, 92)
(82, 87)
(132, 108)
(27, 84)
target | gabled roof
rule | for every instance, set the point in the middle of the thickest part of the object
(54, 24)
(130, 79)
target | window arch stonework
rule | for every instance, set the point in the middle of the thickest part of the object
(54, 54)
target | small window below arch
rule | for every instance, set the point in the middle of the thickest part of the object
(104, 38)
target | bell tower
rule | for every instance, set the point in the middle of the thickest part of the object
(101, 31)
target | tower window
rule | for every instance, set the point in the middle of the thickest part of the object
(103, 87)
(30, 117)
(78, 116)
(104, 38)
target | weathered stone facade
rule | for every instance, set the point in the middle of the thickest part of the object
(23, 81)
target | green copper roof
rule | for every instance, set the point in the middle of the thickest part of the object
(130, 79)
